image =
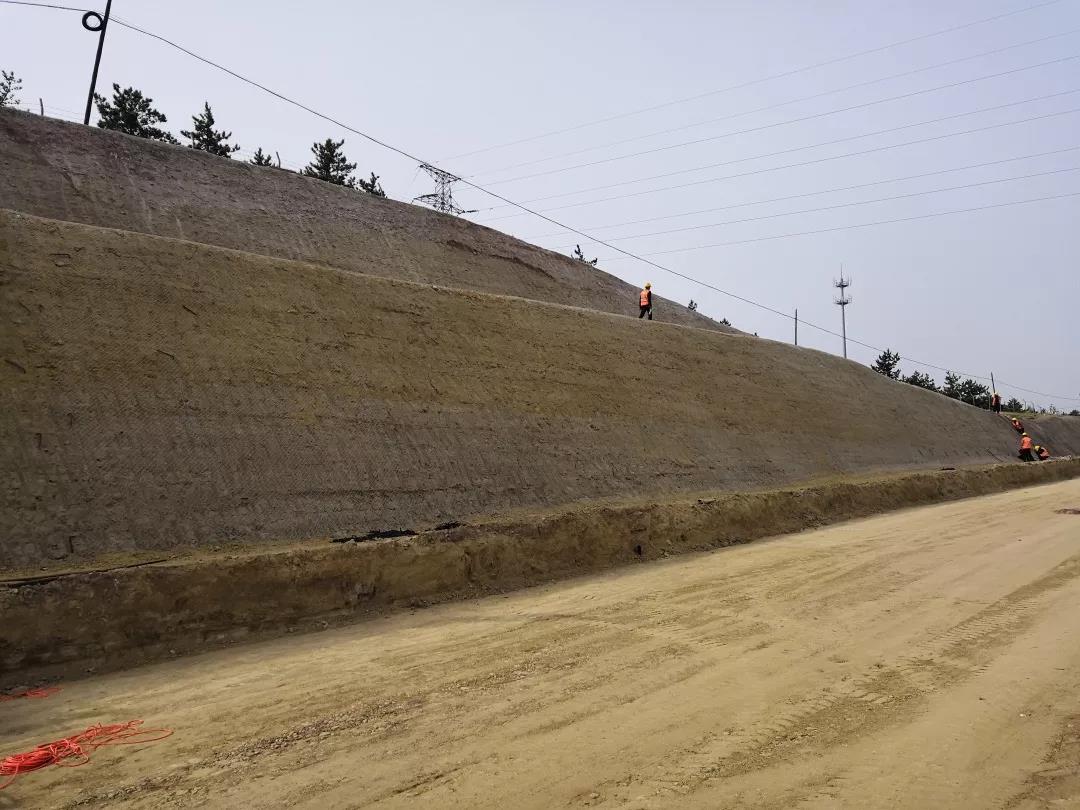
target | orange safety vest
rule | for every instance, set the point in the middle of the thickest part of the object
(644, 298)
(1044, 453)
(1025, 443)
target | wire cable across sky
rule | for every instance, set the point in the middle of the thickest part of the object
(768, 107)
(803, 148)
(817, 192)
(763, 79)
(799, 120)
(908, 196)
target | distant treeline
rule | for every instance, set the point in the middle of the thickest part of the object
(131, 112)
(955, 387)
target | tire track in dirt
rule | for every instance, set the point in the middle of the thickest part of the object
(879, 696)
(1058, 781)
(607, 690)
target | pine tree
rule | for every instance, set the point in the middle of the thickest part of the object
(887, 364)
(372, 186)
(9, 86)
(261, 158)
(974, 393)
(920, 380)
(1013, 405)
(951, 388)
(131, 112)
(205, 138)
(330, 164)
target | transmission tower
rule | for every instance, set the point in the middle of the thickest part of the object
(442, 199)
(842, 301)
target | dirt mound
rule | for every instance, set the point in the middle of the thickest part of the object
(160, 395)
(81, 174)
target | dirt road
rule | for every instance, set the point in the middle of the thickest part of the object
(928, 658)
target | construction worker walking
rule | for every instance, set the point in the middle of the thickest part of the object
(645, 301)
(995, 402)
(1018, 426)
(1026, 447)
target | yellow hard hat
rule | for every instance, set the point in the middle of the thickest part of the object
(1025, 434)
(648, 285)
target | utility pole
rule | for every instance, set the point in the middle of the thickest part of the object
(842, 301)
(442, 199)
(796, 326)
(92, 21)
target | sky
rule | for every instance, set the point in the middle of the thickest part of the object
(980, 292)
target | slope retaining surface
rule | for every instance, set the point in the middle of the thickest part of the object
(160, 395)
(80, 174)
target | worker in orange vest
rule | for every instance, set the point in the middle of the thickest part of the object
(995, 402)
(1042, 452)
(1025, 448)
(1018, 426)
(645, 301)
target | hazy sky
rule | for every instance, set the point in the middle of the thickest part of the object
(995, 290)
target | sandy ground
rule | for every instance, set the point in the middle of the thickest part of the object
(927, 658)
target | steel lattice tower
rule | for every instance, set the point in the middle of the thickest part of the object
(442, 199)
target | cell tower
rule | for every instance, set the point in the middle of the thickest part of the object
(842, 301)
(442, 199)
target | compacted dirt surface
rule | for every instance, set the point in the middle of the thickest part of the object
(927, 658)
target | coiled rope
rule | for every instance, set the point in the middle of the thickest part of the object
(75, 750)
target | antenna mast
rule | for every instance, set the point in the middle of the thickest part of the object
(842, 301)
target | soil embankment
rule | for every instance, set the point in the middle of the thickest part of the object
(60, 623)
(162, 396)
(81, 174)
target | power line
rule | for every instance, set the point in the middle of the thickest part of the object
(752, 82)
(768, 107)
(496, 195)
(834, 207)
(847, 227)
(767, 169)
(799, 120)
(815, 193)
(41, 5)
(832, 142)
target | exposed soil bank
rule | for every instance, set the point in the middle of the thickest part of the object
(163, 396)
(83, 174)
(128, 616)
